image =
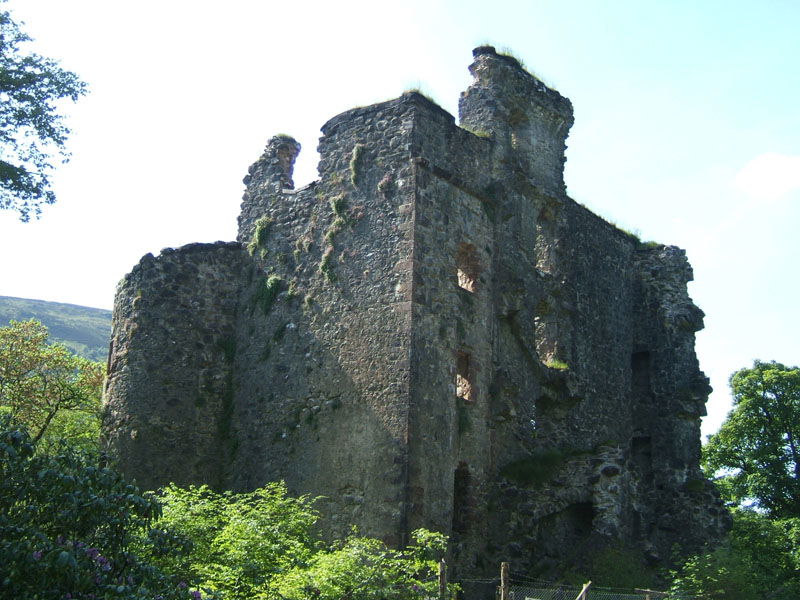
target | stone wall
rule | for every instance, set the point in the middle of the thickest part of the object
(432, 334)
(169, 393)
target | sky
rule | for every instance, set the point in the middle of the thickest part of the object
(687, 130)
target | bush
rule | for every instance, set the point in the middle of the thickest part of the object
(68, 525)
(240, 542)
(263, 545)
(366, 569)
(760, 559)
(73, 529)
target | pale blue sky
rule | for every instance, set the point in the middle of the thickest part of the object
(687, 130)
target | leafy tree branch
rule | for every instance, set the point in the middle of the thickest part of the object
(32, 132)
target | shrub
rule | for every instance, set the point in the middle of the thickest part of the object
(68, 528)
(366, 569)
(260, 237)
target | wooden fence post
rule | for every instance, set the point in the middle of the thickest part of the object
(442, 580)
(582, 595)
(504, 585)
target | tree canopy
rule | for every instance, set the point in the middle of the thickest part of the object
(756, 452)
(31, 129)
(759, 559)
(53, 393)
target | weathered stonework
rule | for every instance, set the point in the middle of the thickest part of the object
(432, 334)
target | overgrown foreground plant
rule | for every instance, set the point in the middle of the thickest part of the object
(67, 528)
(71, 529)
(760, 559)
(264, 545)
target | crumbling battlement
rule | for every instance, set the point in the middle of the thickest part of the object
(431, 334)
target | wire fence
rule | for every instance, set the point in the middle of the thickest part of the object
(541, 590)
(528, 592)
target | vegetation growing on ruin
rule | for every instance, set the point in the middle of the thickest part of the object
(339, 206)
(355, 164)
(557, 364)
(481, 133)
(258, 243)
(632, 234)
(292, 292)
(386, 184)
(267, 292)
(326, 264)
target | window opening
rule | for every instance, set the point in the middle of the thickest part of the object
(467, 266)
(464, 385)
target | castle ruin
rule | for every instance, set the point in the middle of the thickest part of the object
(432, 334)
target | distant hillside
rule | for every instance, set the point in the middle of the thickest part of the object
(86, 331)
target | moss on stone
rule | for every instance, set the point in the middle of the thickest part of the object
(267, 291)
(355, 164)
(557, 364)
(260, 236)
(326, 264)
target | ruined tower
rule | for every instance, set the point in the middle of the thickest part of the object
(432, 334)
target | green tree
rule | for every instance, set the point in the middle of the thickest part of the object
(756, 452)
(239, 542)
(53, 393)
(68, 527)
(362, 568)
(264, 545)
(760, 559)
(31, 130)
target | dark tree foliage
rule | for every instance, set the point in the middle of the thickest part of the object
(68, 527)
(760, 559)
(756, 452)
(31, 130)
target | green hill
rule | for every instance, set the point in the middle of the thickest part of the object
(86, 331)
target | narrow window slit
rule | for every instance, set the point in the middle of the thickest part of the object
(464, 384)
(467, 267)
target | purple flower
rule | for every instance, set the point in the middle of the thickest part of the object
(196, 595)
(37, 555)
(181, 584)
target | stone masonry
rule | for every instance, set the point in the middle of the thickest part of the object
(432, 334)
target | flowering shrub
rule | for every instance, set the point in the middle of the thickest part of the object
(67, 526)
